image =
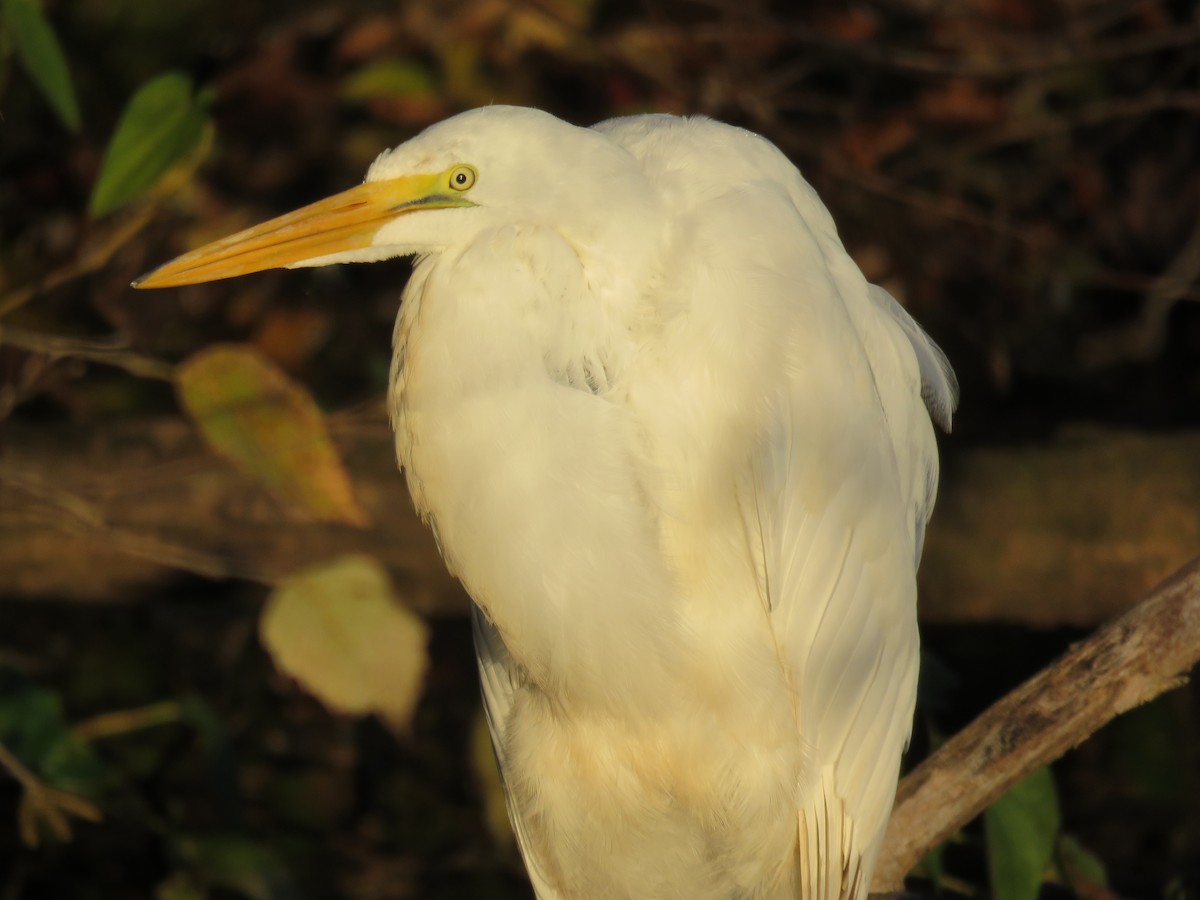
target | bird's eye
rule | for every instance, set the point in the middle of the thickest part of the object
(462, 178)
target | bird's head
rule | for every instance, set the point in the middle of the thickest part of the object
(480, 169)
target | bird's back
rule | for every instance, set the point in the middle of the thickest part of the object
(799, 405)
(758, 295)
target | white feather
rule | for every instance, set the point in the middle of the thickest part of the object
(677, 450)
(697, 566)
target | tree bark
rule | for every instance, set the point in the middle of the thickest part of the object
(1061, 533)
(108, 515)
(1067, 532)
(1129, 662)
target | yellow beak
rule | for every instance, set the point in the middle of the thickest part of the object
(345, 221)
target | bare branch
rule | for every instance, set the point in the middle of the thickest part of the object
(1047, 56)
(93, 257)
(1144, 338)
(1132, 660)
(113, 351)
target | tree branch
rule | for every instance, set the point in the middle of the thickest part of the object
(1130, 661)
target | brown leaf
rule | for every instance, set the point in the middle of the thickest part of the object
(853, 26)
(368, 38)
(269, 426)
(866, 144)
(962, 102)
(290, 336)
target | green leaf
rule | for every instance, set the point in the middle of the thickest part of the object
(162, 124)
(56, 770)
(933, 866)
(269, 426)
(1021, 828)
(238, 864)
(180, 886)
(1080, 867)
(42, 57)
(389, 78)
(33, 727)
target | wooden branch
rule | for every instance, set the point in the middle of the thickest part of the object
(1068, 531)
(105, 512)
(94, 256)
(1129, 662)
(108, 514)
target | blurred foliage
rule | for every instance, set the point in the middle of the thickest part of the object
(162, 125)
(56, 771)
(1021, 828)
(254, 415)
(338, 629)
(29, 35)
(1023, 175)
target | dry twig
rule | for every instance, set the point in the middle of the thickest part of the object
(92, 259)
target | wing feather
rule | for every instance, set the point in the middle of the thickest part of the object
(842, 577)
(499, 678)
(838, 493)
(844, 479)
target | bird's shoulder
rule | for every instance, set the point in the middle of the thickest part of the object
(755, 284)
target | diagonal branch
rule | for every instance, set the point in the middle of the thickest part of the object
(1128, 662)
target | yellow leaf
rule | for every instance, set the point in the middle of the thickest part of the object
(338, 629)
(487, 778)
(251, 413)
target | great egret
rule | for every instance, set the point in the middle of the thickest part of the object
(679, 452)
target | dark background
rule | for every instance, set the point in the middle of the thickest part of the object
(1022, 175)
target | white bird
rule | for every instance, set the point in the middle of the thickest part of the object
(680, 453)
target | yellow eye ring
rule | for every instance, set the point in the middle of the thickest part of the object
(462, 178)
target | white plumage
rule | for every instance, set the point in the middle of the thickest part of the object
(678, 451)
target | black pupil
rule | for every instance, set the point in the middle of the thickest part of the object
(460, 178)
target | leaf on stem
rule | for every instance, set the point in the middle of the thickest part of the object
(163, 124)
(42, 58)
(1021, 829)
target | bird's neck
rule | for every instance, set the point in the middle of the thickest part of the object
(516, 451)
